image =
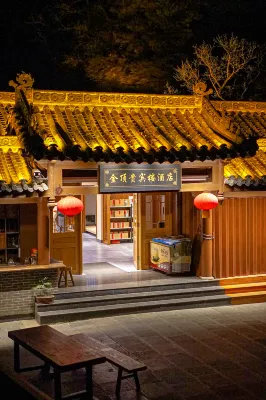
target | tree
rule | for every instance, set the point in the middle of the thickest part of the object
(128, 45)
(229, 65)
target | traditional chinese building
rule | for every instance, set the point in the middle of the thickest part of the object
(212, 145)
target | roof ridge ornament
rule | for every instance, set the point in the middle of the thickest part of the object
(24, 81)
(200, 89)
(23, 86)
(221, 122)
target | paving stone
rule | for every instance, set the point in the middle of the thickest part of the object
(200, 354)
(205, 396)
(200, 370)
(109, 387)
(159, 391)
(158, 363)
(130, 395)
(161, 345)
(234, 392)
(145, 354)
(174, 376)
(148, 377)
(184, 360)
(256, 388)
(215, 380)
(192, 388)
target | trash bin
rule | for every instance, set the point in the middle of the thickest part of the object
(170, 254)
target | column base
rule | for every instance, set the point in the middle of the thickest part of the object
(207, 277)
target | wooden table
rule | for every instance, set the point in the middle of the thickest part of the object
(58, 351)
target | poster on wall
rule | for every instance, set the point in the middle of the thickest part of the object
(134, 178)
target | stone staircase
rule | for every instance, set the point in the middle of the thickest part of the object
(80, 303)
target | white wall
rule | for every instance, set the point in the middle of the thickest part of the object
(90, 204)
(99, 217)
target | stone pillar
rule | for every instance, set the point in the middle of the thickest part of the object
(51, 201)
(51, 182)
(207, 246)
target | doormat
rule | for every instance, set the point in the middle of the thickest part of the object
(101, 268)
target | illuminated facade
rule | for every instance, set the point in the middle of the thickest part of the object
(53, 130)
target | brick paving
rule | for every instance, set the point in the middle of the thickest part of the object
(200, 354)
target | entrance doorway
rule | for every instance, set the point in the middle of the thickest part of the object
(99, 257)
(114, 237)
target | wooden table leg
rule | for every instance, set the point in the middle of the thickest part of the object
(66, 282)
(16, 357)
(118, 382)
(71, 277)
(135, 374)
(60, 277)
(89, 383)
(57, 385)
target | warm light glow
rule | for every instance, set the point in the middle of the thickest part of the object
(70, 206)
(205, 201)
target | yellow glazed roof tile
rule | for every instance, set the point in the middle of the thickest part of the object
(246, 172)
(16, 175)
(136, 128)
(124, 127)
(132, 128)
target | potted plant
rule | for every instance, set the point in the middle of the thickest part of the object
(44, 291)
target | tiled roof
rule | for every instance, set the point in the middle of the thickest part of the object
(249, 172)
(136, 128)
(128, 128)
(251, 117)
(16, 175)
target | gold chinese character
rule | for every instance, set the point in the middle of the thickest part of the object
(113, 178)
(142, 177)
(160, 177)
(123, 178)
(132, 178)
(151, 178)
(170, 177)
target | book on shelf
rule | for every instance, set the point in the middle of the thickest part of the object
(122, 224)
(120, 235)
(120, 213)
(119, 203)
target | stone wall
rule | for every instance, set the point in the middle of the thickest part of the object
(16, 294)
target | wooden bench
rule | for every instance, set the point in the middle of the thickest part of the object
(116, 358)
(58, 351)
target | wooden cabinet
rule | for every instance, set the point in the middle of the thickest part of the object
(9, 233)
(118, 218)
(18, 231)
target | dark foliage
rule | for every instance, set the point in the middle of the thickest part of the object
(117, 45)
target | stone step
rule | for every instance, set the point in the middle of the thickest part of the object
(245, 288)
(50, 317)
(250, 297)
(133, 287)
(80, 302)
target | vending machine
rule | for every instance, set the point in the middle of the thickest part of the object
(171, 255)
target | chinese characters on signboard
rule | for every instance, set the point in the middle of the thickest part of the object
(139, 178)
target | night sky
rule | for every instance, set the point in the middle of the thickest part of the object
(21, 49)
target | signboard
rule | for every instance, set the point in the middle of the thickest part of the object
(135, 178)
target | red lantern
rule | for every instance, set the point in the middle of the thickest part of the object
(70, 206)
(206, 201)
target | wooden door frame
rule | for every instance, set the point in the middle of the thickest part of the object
(140, 225)
(77, 234)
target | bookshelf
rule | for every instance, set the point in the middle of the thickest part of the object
(118, 218)
(9, 233)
